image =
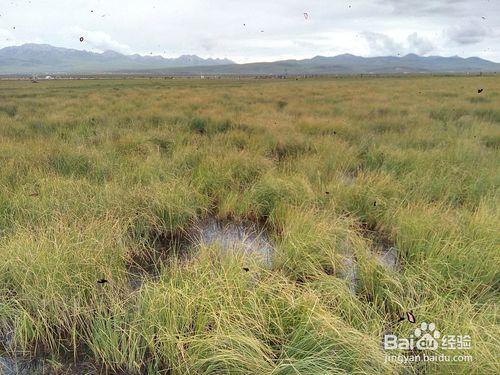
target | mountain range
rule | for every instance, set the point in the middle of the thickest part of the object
(46, 59)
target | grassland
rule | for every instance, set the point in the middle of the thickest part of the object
(99, 176)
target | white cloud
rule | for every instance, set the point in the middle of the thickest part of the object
(427, 8)
(419, 44)
(98, 40)
(215, 28)
(471, 32)
(382, 44)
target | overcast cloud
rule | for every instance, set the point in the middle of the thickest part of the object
(258, 30)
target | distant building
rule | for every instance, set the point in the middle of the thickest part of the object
(49, 77)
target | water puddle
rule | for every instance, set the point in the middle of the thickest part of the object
(246, 237)
(381, 250)
(231, 236)
(148, 264)
(387, 257)
(15, 363)
(350, 272)
(348, 178)
(18, 365)
(21, 366)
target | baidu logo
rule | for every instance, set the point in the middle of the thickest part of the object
(427, 337)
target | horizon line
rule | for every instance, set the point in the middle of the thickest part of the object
(252, 62)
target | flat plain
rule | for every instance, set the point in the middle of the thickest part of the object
(373, 197)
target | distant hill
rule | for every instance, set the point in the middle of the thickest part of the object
(350, 64)
(46, 59)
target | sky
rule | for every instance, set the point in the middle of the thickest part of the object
(258, 30)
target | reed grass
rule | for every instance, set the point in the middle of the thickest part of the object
(95, 174)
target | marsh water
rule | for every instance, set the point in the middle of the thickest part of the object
(246, 237)
(243, 237)
(381, 250)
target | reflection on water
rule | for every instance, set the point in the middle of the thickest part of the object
(241, 236)
(12, 365)
(388, 257)
(22, 366)
(234, 236)
(384, 254)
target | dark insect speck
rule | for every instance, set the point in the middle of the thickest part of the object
(407, 316)
(411, 317)
(102, 281)
(246, 269)
(479, 91)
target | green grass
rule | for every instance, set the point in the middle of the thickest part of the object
(96, 175)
